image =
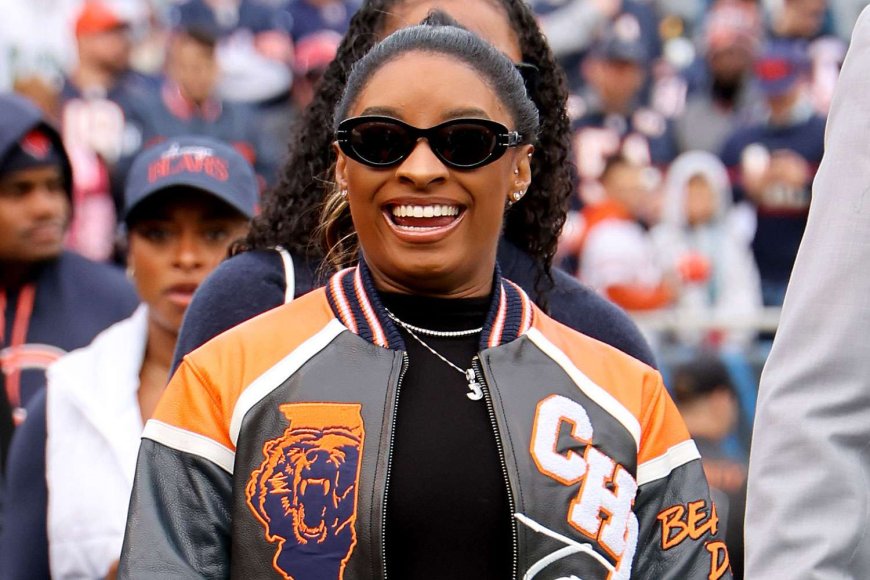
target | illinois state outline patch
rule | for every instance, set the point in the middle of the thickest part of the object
(305, 491)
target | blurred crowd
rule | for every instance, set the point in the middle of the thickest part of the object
(698, 126)
(119, 75)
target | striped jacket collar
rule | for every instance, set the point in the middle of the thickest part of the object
(355, 302)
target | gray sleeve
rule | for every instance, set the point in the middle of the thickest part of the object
(809, 474)
(179, 521)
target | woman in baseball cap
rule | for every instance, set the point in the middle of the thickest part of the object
(186, 201)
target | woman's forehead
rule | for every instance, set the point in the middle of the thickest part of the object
(486, 18)
(389, 93)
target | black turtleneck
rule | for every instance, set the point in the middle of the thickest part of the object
(447, 510)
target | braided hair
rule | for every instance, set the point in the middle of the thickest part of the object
(292, 210)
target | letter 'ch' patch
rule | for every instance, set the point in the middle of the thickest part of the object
(305, 491)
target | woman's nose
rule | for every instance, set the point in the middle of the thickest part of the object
(422, 167)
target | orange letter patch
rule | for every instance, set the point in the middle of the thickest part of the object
(697, 522)
(305, 491)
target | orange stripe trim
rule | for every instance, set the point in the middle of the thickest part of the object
(498, 325)
(368, 311)
(341, 299)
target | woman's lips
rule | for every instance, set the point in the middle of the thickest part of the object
(423, 223)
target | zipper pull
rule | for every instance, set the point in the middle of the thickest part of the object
(476, 392)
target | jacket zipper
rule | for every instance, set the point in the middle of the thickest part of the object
(490, 409)
(390, 462)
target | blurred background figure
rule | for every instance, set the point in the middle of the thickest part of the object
(705, 396)
(309, 17)
(617, 256)
(37, 45)
(574, 27)
(773, 163)
(798, 19)
(610, 116)
(96, 100)
(51, 300)
(254, 52)
(188, 102)
(313, 55)
(254, 48)
(71, 465)
(720, 91)
(702, 241)
(813, 22)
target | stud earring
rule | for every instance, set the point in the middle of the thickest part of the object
(343, 193)
(517, 195)
(516, 171)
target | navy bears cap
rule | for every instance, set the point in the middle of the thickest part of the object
(202, 163)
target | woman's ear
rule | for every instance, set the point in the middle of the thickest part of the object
(524, 166)
(340, 168)
(522, 169)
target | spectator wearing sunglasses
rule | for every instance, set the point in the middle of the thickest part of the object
(305, 442)
(259, 277)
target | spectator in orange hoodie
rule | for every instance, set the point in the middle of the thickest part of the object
(617, 257)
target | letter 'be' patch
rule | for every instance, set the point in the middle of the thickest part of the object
(305, 491)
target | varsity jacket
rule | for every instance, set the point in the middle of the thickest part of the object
(269, 454)
(253, 282)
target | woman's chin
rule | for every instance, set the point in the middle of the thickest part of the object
(430, 276)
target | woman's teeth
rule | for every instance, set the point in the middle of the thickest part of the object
(425, 211)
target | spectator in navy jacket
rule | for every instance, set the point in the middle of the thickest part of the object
(51, 301)
(189, 103)
(773, 164)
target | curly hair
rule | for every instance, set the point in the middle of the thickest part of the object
(291, 212)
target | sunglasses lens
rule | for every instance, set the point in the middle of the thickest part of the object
(465, 144)
(380, 142)
(383, 142)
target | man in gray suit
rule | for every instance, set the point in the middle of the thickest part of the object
(808, 508)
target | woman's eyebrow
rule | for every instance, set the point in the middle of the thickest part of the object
(457, 113)
(466, 112)
(383, 111)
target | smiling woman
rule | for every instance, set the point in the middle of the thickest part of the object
(260, 278)
(465, 154)
(419, 417)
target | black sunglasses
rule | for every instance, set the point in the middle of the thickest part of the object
(458, 143)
